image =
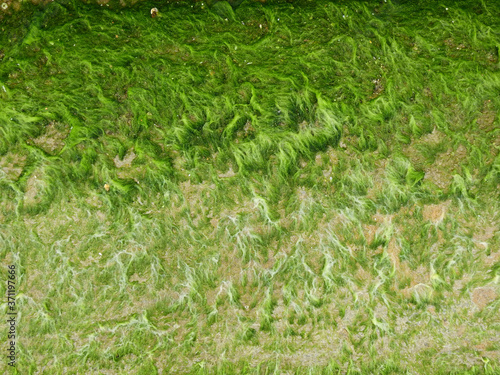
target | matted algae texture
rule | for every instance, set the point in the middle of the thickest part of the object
(303, 187)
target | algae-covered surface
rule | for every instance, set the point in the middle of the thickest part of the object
(301, 187)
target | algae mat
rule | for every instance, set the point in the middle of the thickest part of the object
(278, 187)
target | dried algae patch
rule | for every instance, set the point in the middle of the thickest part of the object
(486, 119)
(435, 212)
(127, 160)
(52, 140)
(12, 166)
(483, 296)
(35, 187)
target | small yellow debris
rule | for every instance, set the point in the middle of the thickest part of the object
(106, 187)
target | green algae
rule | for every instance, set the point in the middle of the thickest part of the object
(240, 134)
(192, 80)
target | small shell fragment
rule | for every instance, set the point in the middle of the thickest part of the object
(154, 12)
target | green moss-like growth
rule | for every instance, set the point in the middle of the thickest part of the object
(246, 187)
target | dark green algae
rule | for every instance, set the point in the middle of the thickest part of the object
(257, 86)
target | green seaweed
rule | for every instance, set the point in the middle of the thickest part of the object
(284, 182)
